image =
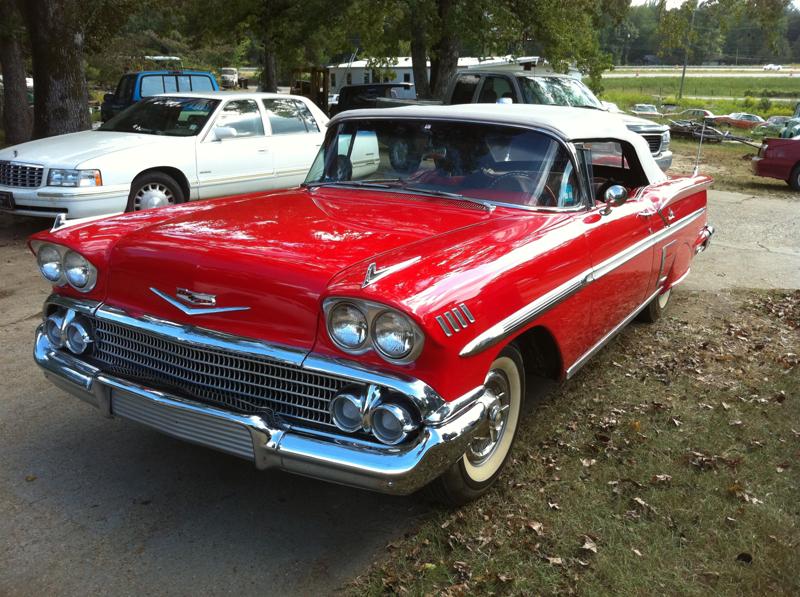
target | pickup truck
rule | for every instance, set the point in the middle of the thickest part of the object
(525, 87)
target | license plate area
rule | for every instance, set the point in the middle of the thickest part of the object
(6, 200)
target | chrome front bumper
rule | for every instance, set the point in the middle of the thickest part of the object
(400, 469)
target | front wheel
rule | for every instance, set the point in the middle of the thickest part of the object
(478, 469)
(154, 189)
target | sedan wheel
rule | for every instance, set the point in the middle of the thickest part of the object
(154, 189)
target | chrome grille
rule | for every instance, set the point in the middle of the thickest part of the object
(20, 175)
(654, 141)
(242, 382)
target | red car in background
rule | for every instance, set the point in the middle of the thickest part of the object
(740, 120)
(779, 158)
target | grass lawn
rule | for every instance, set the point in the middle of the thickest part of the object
(708, 86)
(729, 164)
(669, 465)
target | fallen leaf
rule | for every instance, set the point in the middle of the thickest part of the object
(555, 561)
(637, 552)
(504, 578)
(736, 423)
(782, 467)
(661, 479)
(428, 566)
(644, 504)
(30, 478)
(535, 526)
(588, 462)
(553, 505)
(588, 544)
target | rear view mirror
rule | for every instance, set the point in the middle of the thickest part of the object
(614, 196)
(224, 132)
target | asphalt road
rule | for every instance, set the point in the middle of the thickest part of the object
(97, 506)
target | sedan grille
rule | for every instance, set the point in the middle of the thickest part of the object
(241, 382)
(20, 175)
(654, 141)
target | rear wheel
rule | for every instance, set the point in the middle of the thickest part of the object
(794, 178)
(655, 308)
(154, 189)
(477, 470)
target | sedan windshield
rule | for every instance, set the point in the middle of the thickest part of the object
(171, 116)
(558, 91)
(487, 163)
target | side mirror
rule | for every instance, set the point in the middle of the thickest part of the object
(614, 196)
(224, 132)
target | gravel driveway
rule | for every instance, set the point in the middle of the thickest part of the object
(90, 505)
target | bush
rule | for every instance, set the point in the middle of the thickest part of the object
(765, 104)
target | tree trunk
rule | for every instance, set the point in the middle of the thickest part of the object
(16, 113)
(444, 53)
(269, 74)
(419, 53)
(61, 102)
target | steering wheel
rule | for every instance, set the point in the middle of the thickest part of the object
(524, 183)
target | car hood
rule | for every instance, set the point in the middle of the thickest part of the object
(272, 255)
(642, 125)
(70, 150)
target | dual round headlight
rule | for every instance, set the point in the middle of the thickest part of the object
(356, 326)
(60, 265)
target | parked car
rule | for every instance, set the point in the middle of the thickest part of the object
(645, 110)
(772, 126)
(229, 77)
(376, 329)
(741, 120)
(134, 87)
(353, 97)
(774, 67)
(524, 87)
(166, 150)
(779, 158)
(695, 114)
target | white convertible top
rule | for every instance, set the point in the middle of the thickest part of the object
(571, 124)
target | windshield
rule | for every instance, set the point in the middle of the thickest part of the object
(484, 162)
(171, 116)
(558, 91)
(228, 71)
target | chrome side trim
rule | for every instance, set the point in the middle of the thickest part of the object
(524, 316)
(194, 310)
(605, 339)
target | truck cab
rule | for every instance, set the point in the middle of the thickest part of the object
(135, 86)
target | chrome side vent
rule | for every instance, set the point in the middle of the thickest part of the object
(455, 319)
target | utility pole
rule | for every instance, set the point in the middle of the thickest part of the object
(686, 49)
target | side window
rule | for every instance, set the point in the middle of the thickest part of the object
(333, 80)
(464, 89)
(170, 86)
(152, 85)
(349, 78)
(307, 117)
(284, 116)
(242, 116)
(201, 83)
(125, 88)
(494, 88)
(183, 83)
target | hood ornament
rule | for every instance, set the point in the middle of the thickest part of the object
(207, 302)
(374, 273)
(16, 153)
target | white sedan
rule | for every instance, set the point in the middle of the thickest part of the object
(166, 150)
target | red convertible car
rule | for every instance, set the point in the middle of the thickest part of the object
(376, 327)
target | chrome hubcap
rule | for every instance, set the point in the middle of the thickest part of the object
(153, 194)
(482, 448)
